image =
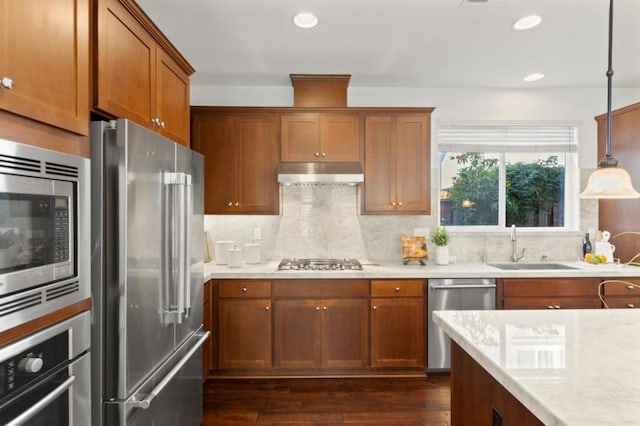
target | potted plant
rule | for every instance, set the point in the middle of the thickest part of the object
(440, 237)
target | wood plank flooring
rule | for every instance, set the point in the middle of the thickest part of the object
(325, 402)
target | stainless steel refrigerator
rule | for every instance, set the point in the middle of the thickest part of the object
(147, 272)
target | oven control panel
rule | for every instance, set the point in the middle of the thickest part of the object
(22, 369)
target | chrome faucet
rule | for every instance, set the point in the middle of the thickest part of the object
(514, 245)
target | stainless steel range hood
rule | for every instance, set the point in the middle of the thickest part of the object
(334, 173)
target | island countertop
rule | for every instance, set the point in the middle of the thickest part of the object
(568, 367)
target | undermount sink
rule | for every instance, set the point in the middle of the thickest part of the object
(529, 266)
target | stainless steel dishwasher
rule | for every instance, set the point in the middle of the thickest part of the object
(457, 294)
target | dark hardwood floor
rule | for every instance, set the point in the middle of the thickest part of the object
(319, 401)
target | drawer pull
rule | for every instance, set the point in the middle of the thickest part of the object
(317, 308)
(549, 307)
(244, 289)
(324, 308)
(6, 83)
(630, 287)
(397, 289)
(267, 308)
(375, 308)
(631, 305)
(556, 307)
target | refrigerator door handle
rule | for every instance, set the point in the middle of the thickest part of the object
(172, 313)
(186, 265)
(146, 401)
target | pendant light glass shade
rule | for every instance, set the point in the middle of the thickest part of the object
(609, 181)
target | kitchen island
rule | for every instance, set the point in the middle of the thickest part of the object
(552, 367)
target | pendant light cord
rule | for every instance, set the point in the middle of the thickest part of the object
(608, 160)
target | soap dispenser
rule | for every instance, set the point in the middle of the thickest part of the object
(586, 245)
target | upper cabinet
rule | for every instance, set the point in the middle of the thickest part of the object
(397, 162)
(44, 62)
(316, 136)
(240, 148)
(618, 216)
(138, 73)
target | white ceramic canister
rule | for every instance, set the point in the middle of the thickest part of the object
(221, 252)
(235, 257)
(252, 253)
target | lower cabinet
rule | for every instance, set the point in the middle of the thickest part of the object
(244, 325)
(314, 327)
(548, 293)
(321, 324)
(397, 323)
(478, 399)
(323, 333)
(621, 292)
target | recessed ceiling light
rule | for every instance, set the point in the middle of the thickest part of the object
(534, 76)
(527, 22)
(305, 20)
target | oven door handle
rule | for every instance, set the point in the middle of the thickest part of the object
(42, 404)
(146, 402)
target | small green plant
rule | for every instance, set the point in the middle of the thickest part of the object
(440, 236)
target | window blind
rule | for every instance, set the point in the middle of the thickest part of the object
(520, 137)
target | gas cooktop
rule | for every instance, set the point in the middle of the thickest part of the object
(320, 264)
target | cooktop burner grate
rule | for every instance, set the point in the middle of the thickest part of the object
(320, 264)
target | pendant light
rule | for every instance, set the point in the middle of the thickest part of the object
(609, 181)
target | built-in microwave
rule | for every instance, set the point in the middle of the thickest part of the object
(44, 231)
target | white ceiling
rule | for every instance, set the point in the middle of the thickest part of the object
(412, 43)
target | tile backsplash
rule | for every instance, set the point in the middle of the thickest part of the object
(324, 221)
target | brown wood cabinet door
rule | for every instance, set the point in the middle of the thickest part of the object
(339, 137)
(172, 99)
(44, 50)
(212, 137)
(380, 164)
(207, 347)
(300, 138)
(621, 215)
(297, 331)
(344, 333)
(397, 332)
(413, 164)
(256, 165)
(126, 65)
(244, 333)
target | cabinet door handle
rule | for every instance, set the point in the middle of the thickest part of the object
(267, 308)
(6, 83)
(230, 204)
(397, 289)
(317, 308)
(399, 203)
(162, 124)
(236, 204)
(317, 154)
(393, 203)
(631, 305)
(556, 307)
(375, 308)
(324, 308)
(549, 307)
(244, 289)
(324, 155)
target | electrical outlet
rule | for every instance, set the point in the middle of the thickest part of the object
(421, 232)
(257, 233)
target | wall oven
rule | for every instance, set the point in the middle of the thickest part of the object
(45, 377)
(44, 232)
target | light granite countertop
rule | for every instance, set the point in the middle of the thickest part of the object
(568, 367)
(389, 269)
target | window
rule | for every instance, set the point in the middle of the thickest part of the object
(496, 175)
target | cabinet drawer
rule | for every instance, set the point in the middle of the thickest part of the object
(623, 302)
(619, 288)
(406, 288)
(308, 289)
(241, 288)
(551, 287)
(552, 303)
